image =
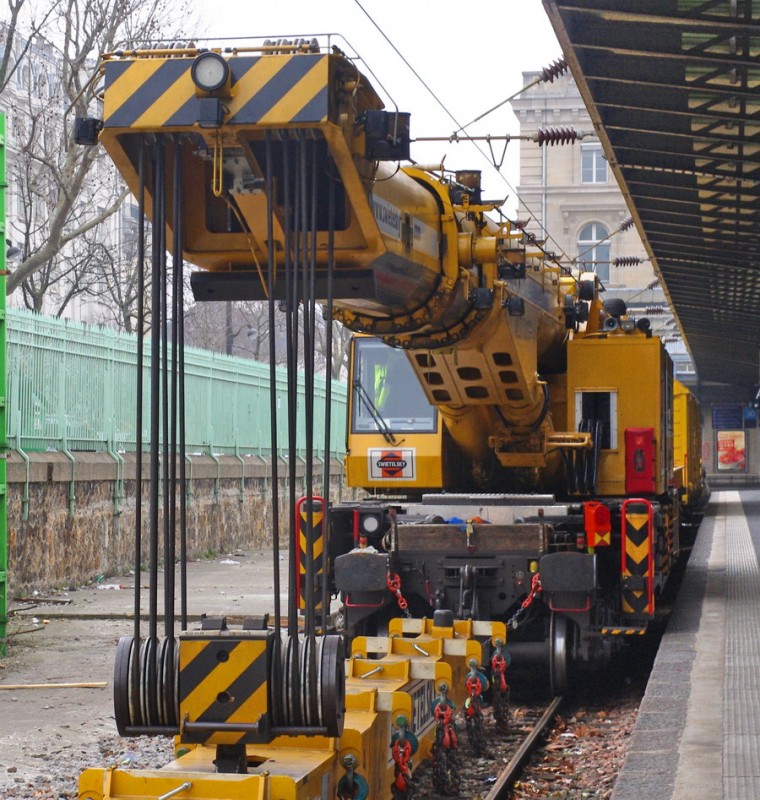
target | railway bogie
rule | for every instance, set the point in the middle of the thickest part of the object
(528, 566)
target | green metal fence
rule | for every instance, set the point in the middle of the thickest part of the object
(3, 410)
(73, 387)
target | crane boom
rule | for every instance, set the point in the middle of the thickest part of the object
(263, 138)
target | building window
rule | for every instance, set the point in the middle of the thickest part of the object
(593, 164)
(594, 250)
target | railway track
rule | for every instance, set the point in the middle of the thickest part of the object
(491, 774)
(512, 771)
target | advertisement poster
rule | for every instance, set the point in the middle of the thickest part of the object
(731, 451)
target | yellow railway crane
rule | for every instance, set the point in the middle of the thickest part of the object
(515, 429)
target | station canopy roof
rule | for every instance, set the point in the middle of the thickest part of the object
(673, 89)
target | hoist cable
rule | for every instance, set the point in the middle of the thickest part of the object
(308, 256)
(273, 386)
(277, 682)
(290, 197)
(164, 332)
(170, 555)
(180, 344)
(140, 383)
(155, 387)
(328, 388)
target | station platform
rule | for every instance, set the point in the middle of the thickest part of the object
(697, 734)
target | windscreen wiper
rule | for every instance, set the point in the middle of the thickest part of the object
(374, 413)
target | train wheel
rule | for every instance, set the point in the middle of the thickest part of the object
(561, 653)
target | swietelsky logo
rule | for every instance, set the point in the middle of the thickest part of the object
(397, 463)
(391, 464)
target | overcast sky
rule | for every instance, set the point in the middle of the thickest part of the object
(471, 55)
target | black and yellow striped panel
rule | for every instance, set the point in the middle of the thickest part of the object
(275, 90)
(670, 544)
(628, 631)
(314, 534)
(223, 680)
(637, 558)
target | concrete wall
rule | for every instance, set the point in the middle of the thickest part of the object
(70, 521)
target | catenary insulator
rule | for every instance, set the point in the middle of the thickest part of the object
(626, 223)
(554, 70)
(554, 136)
(626, 261)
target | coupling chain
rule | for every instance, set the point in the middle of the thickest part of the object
(499, 663)
(446, 768)
(404, 744)
(393, 582)
(402, 770)
(535, 590)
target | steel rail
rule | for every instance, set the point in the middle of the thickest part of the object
(511, 772)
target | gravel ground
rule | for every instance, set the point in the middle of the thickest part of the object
(49, 735)
(584, 752)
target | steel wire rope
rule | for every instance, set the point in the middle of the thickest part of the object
(131, 686)
(292, 212)
(459, 125)
(328, 388)
(155, 398)
(177, 244)
(300, 684)
(173, 666)
(308, 199)
(292, 217)
(149, 701)
(312, 712)
(139, 389)
(164, 332)
(182, 437)
(276, 672)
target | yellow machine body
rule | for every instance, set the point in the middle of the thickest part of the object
(222, 679)
(415, 259)
(632, 376)
(687, 446)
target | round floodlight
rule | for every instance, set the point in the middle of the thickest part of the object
(370, 524)
(210, 72)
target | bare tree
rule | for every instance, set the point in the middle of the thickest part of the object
(11, 58)
(242, 329)
(236, 328)
(341, 341)
(117, 289)
(65, 191)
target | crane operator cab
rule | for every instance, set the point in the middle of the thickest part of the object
(388, 392)
(395, 434)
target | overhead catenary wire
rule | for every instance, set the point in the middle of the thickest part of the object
(554, 70)
(624, 226)
(451, 116)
